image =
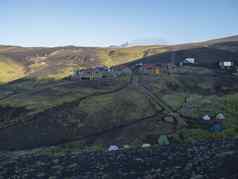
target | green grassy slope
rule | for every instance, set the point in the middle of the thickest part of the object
(56, 106)
(9, 70)
(117, 56)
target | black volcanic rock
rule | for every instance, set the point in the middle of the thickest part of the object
(206, 159)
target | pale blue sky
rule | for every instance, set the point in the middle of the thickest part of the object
(112, 22)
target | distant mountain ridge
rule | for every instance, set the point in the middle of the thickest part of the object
(59, 62)
(233, 38)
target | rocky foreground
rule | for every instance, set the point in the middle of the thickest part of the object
(201, 160)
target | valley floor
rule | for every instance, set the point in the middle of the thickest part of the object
(131, 109)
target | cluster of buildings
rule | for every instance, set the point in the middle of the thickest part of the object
(225, 65)
(156, 69)
(100, 72)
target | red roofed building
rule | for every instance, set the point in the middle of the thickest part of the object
(150, 69)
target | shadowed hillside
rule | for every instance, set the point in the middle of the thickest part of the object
(223, 40)
(204, 56)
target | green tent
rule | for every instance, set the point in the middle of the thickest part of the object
(163, 140)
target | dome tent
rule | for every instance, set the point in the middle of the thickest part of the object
(220, 116)
(206, 118)
(163, 140)
(113, 148)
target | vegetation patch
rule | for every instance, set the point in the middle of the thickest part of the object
(9, 70)
(39, 97)
(116, 56)
(231, 109)
(175, 100)
(116, 108)
(60, 74)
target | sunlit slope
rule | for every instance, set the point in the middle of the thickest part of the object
(10, 70)
(60, 62)
(117, 56)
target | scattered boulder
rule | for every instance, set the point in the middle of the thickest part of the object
(169, 119)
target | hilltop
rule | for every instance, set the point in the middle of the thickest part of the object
(59, 62)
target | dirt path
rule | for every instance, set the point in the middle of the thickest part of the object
(181, 120)
(69, 104)
(162, 110)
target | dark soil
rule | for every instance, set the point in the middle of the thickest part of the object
(205, 160)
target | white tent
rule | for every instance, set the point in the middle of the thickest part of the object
(113, 148)
(206, 118)
(220, 116)
(146, 145)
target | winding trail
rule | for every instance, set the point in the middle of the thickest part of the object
(162, 110)
(68, 104)
(180, 119)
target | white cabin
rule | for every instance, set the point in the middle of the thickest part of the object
(189, 60)
(227, 64)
